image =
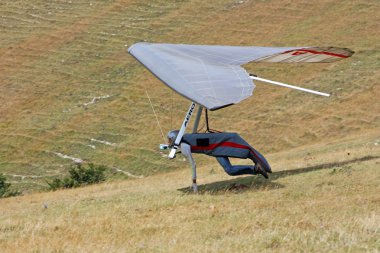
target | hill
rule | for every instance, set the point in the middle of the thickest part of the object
(322, 201)
(69, 88)
(69, 91)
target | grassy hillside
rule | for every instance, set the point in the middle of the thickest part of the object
(68, 88)
(58, 56)
(318, 201)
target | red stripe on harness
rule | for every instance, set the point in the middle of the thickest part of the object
(225, 144)
(220, 144)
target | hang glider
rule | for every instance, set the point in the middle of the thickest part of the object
(212, 76)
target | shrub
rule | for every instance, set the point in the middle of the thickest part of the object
(5, 188)
(78, 176)
(55, 184)
(93, 174)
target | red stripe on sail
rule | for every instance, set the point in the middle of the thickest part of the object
(316, 52)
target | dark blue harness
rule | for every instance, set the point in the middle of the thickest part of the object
(224, 145)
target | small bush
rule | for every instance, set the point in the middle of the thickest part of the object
(55, 184)
(5, 188)
(78, 176)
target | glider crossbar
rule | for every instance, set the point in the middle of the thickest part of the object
(181, 131)
(253, 77)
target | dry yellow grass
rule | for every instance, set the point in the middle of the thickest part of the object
(57, 56)
(310, 205)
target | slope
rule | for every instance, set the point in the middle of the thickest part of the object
(324, 199)
(68, 86)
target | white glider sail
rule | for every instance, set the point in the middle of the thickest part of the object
(211, 76)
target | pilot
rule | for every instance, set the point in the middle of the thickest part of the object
(188, 145)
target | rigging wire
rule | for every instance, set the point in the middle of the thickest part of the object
(155, 114)
(208, 129)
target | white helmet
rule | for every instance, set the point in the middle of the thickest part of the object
(172, 135)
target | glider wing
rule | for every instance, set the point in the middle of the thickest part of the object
(211, 76)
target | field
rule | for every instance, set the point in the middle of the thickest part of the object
(69, 89)
(319, 204)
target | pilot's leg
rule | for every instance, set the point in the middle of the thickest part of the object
(194, 173)
(236, 170)
(186, 151)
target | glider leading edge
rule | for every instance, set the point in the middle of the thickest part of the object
(212, 78)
